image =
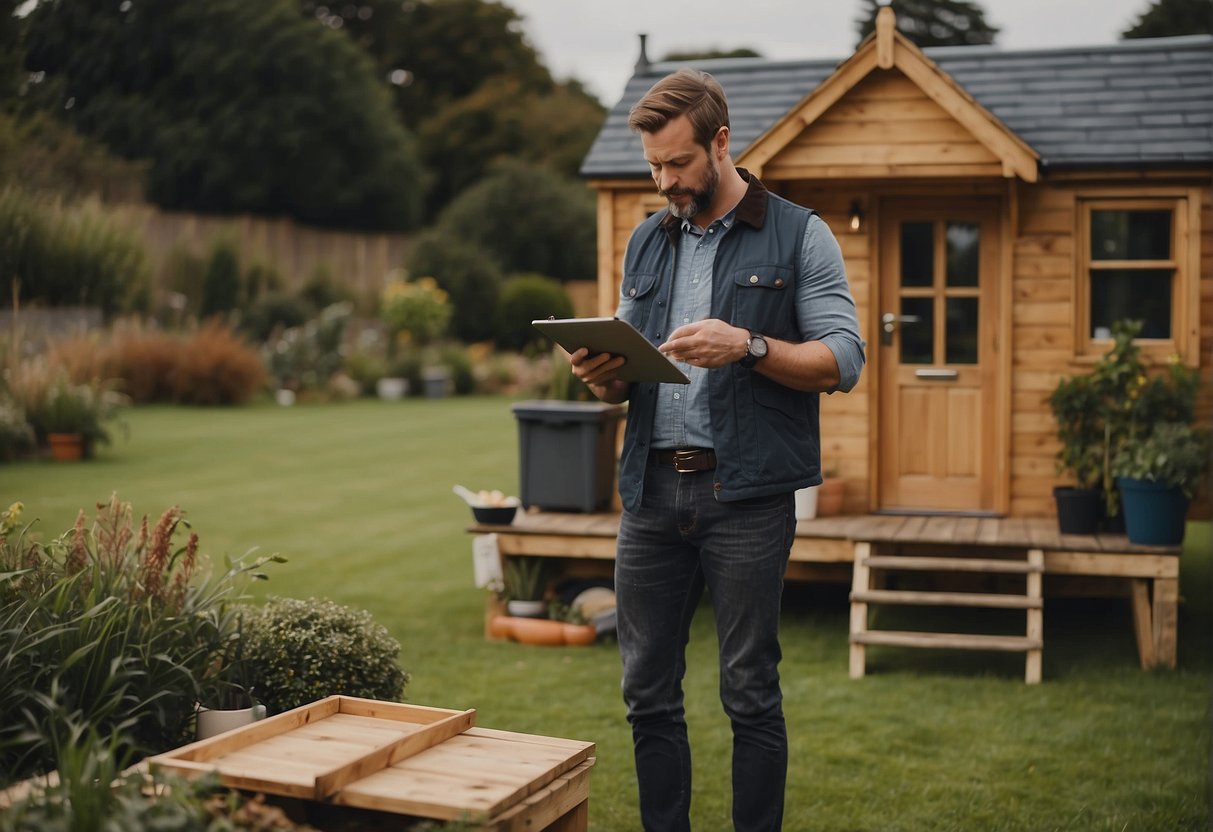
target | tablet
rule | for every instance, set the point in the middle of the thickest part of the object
(644, 361)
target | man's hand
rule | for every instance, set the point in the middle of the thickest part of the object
(600, 372)
(707, 343)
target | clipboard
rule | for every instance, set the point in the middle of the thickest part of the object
(644, 361)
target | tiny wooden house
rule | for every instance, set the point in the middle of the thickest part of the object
(997, 211)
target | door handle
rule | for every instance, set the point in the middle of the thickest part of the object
(888, 323)
(936, 373)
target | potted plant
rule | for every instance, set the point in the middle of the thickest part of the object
(524, 587)
(72, 418)
(226, 698)
(1106, 410)
(1157, 476)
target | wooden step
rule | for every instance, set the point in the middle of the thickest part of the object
(947, 599)
(957, 641)
(929, 564)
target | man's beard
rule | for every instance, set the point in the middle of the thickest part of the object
(701, 198)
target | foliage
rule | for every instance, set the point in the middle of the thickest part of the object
(1168, 18)
(216, 367)
(274, 311)
(305, 357)
(525, 579)
(436, 52)
(303, 650)
(524, 298)
(94, 794)
(932, 22)
(238, 107)
(469, 276)
(69, 255)
(1172, 453)
(416, 308)
(16, 433)
(42, 154)
(105, 626)
(222, 289)
(1114, 406)
(529, 220)
(66, 407)
(503, 120)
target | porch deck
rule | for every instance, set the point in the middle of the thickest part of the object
(825, 550)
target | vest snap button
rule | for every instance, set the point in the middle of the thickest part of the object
(753, 278)
(778, 282)
(632, 292)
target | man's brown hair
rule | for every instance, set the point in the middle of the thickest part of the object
(688, 91)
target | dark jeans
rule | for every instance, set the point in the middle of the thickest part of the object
(680, 541)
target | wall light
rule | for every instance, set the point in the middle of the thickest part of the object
(856, 216)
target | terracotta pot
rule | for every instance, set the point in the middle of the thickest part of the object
(541, 631)
(580, 635)
(829, 496)
(66, 447)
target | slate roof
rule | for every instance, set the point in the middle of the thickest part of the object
(1135, 103)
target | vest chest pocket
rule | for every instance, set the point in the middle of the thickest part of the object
(761, 298)
(636, 298)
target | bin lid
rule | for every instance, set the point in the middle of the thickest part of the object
(554, 410)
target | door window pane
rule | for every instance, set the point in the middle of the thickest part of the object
(1130, 235)
(964, 244)
(960, 339)
(917, 254)
(1140, 294)
(917, 331)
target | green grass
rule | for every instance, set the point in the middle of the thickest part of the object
(358, 498)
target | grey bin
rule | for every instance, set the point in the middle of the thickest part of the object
(567, 454)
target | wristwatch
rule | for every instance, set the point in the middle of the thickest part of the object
(755, 348)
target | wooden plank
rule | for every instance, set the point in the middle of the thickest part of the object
(1143, 628)
(1121, 566)
(948, 564)
(562, 806)
(1035, 629)
(1166, 621)
(954, 641)
(860, 583)
(947, 599)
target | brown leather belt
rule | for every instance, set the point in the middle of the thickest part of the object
(687, 460)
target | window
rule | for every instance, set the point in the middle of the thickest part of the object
(1134, 261)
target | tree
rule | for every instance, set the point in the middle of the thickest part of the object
(239, 107)
(438, 51)
(503, 120)
(529, 220)
(932, 22)
(1166, 18)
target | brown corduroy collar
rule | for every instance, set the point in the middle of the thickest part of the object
(752, 209)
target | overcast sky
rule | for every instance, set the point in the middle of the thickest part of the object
(596, 40)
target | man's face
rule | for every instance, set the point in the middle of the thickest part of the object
(685, 173)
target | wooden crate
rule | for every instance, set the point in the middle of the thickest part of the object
(390, 757)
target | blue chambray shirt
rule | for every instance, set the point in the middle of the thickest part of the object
(825, 312)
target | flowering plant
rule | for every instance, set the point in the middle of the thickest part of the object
(418, 308)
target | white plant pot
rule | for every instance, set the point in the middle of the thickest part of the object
(212, 722)
(392, 389)
(284, 397)
(527, 609)
(806, 503)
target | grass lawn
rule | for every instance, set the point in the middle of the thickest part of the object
(358, 498)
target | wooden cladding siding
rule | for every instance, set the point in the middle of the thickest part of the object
(885, 127)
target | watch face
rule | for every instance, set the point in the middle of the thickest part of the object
(758, 346)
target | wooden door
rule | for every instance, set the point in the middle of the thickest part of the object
(938, 368)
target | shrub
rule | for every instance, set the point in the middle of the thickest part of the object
(303, 650)
(104, 626)
(523, 299)
(418, 308)
(528, 219)
(16, 433)
(455, 358)
(215, 366)
(66, 256)
(144, 362)
(467, 274)
(306, 357)
(273, 311)
(221, 286)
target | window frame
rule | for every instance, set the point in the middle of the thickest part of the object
(1184, 263)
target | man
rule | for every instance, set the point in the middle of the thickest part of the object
(748, 292)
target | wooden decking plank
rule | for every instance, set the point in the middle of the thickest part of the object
(940, 529)
(911, 530)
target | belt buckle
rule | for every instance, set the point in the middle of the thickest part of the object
(684, 457)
